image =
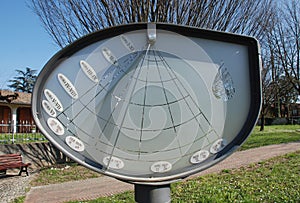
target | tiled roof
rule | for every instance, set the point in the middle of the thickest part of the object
(22, 97)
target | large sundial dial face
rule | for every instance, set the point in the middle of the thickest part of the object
(150, 102)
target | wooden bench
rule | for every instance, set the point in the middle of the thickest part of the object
(10, 161)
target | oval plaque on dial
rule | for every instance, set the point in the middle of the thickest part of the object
(54, 101)
(89, 71)
(127, 43)
(217, 146)
(67, 85)
(48, 108)
(161, 167)
(75, 143)
(109, 56)
(56, 126)
(199, 156)
(113, 162)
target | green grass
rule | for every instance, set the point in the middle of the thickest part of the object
(271, 135)
(276, 134)
(21, 138)
(19, 200)
(63, 173)
(275, 180)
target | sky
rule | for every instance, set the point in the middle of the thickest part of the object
(23, 40)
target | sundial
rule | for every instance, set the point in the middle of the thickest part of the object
(150, 103)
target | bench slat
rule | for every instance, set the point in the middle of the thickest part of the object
(14, 165)
(8, 161)
(6, 155)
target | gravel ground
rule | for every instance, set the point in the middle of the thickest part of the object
(13, 186)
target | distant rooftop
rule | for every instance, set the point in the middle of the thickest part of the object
(21, 98)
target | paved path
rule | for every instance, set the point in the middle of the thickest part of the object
(105, 186)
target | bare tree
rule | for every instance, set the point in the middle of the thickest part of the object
(267, 97)
(68, 20)
(286, 42)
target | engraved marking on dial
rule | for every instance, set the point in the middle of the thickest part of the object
(55, 126)
(127, 43)
(199, 156)
(109, 56)
(89, 71)
(48, 108)
(54, 101)
(67, 85)
(161, 167)
(114, 162)
(75, 143)
(217, 146)
(223, 87)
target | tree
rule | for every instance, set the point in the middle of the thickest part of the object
(287, 95)
(280, 74)
(286, 42)
(24, 82)
(68, 20)
(267, 95)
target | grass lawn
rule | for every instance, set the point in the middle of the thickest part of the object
(276, 180)
(22, 138)
(63, 173)
(271, 135)
(276, 134)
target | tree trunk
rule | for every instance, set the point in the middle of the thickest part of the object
(262, 122)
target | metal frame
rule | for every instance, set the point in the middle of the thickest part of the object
(255, 86)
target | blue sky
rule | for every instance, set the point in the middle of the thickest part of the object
(23, 42)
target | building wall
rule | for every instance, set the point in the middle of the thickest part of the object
(25, 120)
(295, 110)
(15, 119)
(5, 118)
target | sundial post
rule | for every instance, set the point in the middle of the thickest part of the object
(150, 104)
(152, 193)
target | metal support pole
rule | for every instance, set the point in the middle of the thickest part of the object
(152, 193)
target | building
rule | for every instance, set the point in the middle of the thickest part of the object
(295, 110)
(15, 112)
